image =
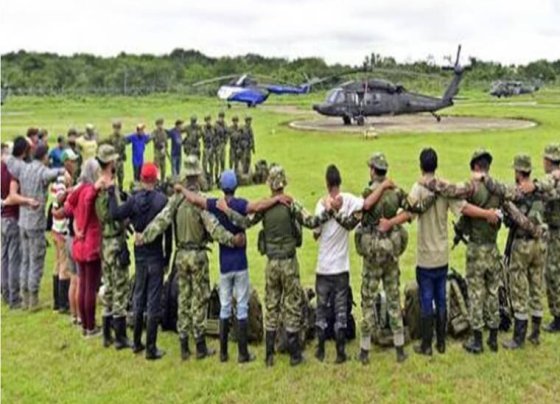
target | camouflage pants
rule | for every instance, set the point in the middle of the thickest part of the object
(33, 252)
(552, 272)
(191, 151)
(231, 158)
(119, 168)
(194, 291)
(220, 160)
(483, 278)
(283, 287)
(372, 273)
(526, 277)
(208, 165)
(159, 160)
(246, 161)
(115, 277)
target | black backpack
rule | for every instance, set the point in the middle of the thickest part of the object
(350, 321)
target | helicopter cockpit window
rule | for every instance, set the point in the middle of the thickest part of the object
(335, 96)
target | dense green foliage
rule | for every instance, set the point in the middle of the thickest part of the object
(46, 73)
(44, 359)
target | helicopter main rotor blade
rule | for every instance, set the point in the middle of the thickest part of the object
(215, 79)
(458, 55)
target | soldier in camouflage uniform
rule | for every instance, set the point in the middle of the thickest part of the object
(118, 141)
(208, 138)
(484, 264)
(114, 257)
(247, 145)
(527, 256)
(234, 134)
(191, 142)
(279, 239)
(220, 143)
(194, 229)
(380, 252)
(159, 137)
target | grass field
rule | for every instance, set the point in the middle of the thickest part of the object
(44, 359)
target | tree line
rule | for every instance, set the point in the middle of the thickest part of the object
(37, 73)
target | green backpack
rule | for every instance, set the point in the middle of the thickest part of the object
(412, 313)
(383, 336)
(255, 327)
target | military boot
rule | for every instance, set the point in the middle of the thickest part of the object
(224, 331)
(107, 325)
(492, 340)
(519, 334)
(270, 340)
(24, 300)
(401, 354)
(474, 344)
(121, 339)
(55, 291)
(536, 330)
(294, 347)
(185, 350)
(244, 355)
(441, 331)
(340, 346)
(137, 345)
(63, 302)
(554, 325)
(34, 301)
(320, 351)
(152, 351)
(202, 350)
(427, 331)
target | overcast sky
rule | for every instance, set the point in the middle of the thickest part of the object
(510, 31)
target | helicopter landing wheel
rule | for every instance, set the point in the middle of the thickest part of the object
(346, 120)
(438, 117)
(360, 120)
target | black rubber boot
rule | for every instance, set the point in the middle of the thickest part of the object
(340, 346)
(554, 325)
(492, 340)
(519, 334)
(474, 344)
(185, 350)
(107, 325)
(294, 347)
(270, 340)
(363, 356)
(152, 351)
(427, 330)
(320, 351)
(441, 331)
(121, 339)
(224, 331)
(534, 338)
(244, 355)
(55, 290)
(202, 351)
(137, 345)
(401, 355)
(63, 302)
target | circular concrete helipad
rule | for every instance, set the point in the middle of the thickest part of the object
(419, 123)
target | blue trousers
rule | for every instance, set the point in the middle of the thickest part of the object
(432, 289)
(175, 165)
(234, 284)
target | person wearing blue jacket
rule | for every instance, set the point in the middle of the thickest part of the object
(139, 139)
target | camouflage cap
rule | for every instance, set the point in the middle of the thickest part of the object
(72, 131)
(478, 153)
(277, 178)
(159, 121)
(193, 118)
(552, 152)
(192, 166)
(221, 114)
(235, 118)
(90, 127)
(522, 162)
(248, 118)
(207, 118)
(117, 124)
(378, 160)
(106, 153)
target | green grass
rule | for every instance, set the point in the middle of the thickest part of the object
(44, 359)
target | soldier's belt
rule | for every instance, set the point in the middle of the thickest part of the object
(192, 247)
(281, 256)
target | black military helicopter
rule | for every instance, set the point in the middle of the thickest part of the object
(358, 99)
(511, 88)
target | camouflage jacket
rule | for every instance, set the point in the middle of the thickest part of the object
(192, 225)
(119, 143)
(192, 138)
(159, 137)
(109, 227)
(208, 136)
(221, 133)
(234, 133)
(247, 139)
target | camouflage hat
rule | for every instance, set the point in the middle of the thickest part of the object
(106, 153)
(221, 114)
(72, 131)
(235, 118)
(193, 118)
(248, 118)
(159, 121)
(378, 160)
(522, 162)
(90, 127)
(207, 118)
(277, 178)
(481, 153)
(552, 152)
(117, 124)
(192, 166)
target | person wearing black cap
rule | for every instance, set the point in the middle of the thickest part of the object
(34, 180)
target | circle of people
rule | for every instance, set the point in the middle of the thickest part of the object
(89, 219)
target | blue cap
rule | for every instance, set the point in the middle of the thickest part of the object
(228, 181)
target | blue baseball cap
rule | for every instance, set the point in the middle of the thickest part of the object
(228, 181)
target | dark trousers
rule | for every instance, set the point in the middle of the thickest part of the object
(431, 288)
(175, 165)
(325, 287)
(90, 276)
(136, 170)
(147, 287)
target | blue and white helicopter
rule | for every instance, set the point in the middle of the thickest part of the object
(245, 89)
